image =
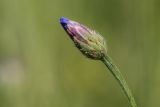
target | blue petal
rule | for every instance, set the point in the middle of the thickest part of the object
(64, 21)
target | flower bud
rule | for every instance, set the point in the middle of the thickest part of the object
(89, 42)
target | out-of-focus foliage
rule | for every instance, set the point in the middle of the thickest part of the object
(40, 66)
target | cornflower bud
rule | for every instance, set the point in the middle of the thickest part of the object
(89, 42)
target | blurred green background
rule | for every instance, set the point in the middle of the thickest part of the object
(40, 66)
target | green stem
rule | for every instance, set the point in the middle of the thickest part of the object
(117, 74)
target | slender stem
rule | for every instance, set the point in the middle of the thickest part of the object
(117, 74)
